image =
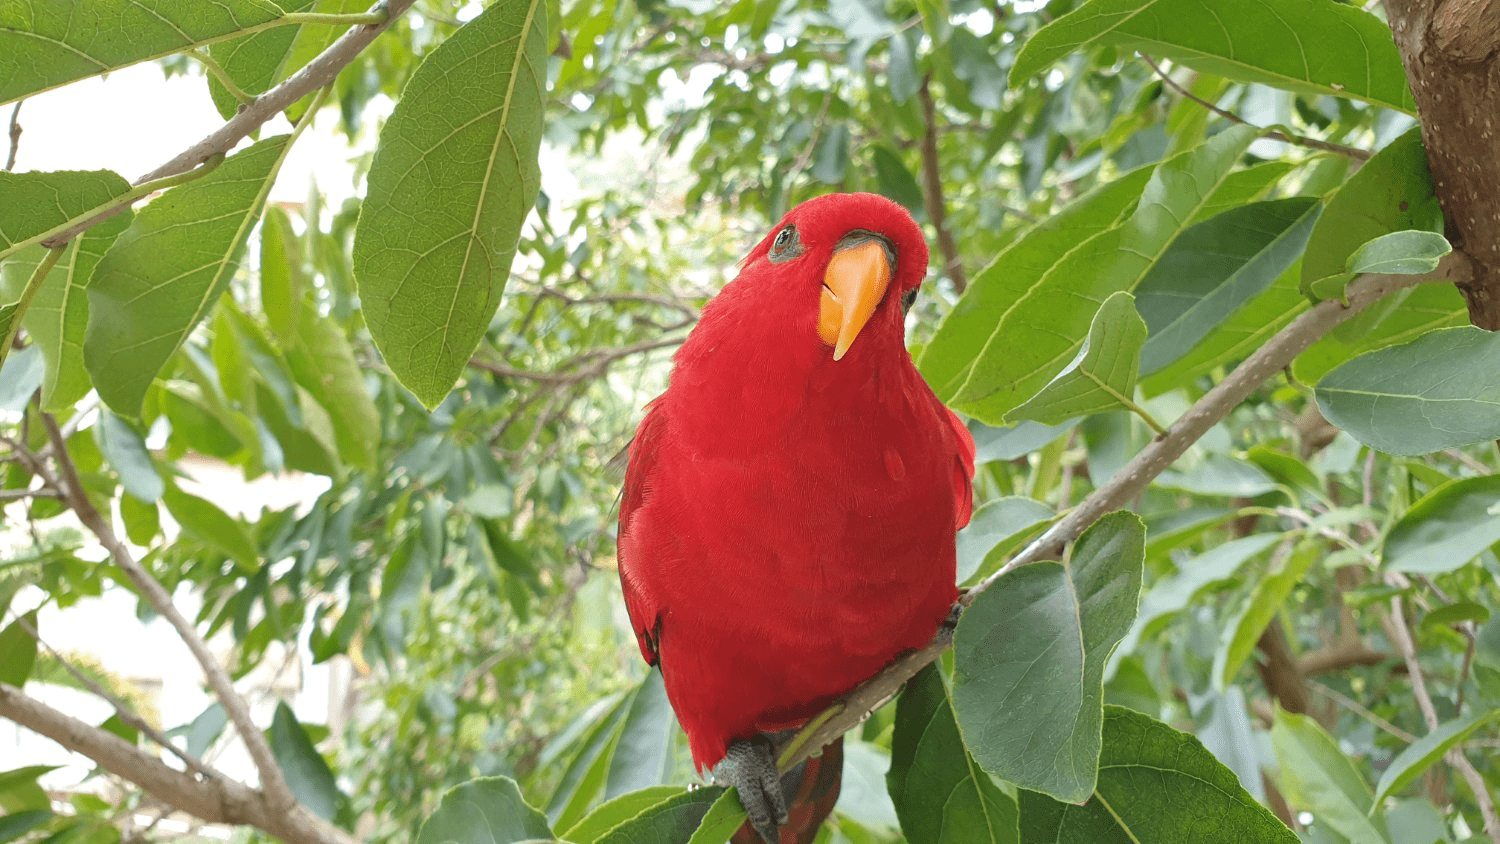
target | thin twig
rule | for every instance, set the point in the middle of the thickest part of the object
(1355, 707)
(314, 75)
(123, 712)
(1269, 359)
(15, 136)
(932, 190)
(1299, 140)
(1401, 636)
(271, 778)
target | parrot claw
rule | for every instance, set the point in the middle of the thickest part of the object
(950, 622)
(752, 771)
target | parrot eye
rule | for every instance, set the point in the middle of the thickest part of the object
(786, 246)
(908, 299)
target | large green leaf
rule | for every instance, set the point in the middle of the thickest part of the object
(1399, 318)
(1406, 252)
(1311, 46)
(1213, 269)
(165, 272)
(997, 528)
(1447, 528)
(1391, 192)
(451, 183)
(322, 361)
(125, 449)
(1156, 785)
(668, 822)
(45, 44)
(1439, 391)
(1029, 659)
(941, 795)
(948, 360)
(204, 521)
(611, 813)
(1045, 319)
(484, 811)
(643, 753)
(1317, 777)
(1422, 753)
(307, 773)
(1102, 376)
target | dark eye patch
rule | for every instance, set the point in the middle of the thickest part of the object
(786, 246)
(908, 299)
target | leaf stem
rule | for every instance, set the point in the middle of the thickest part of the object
(32, 286)
(1143, 413)
(59, 235)
(221, 75)
(374, 18)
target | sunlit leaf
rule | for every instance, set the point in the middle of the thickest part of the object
(1446, 528)
(1406, 252)
(452, 180)
(1102, 376)
(164, 273)
(1311, 46)
(1422, 753)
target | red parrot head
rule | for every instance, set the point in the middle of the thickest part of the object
(853, 252)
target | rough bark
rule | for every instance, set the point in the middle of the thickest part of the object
(1451, 50)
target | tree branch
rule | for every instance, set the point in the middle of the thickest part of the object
(216, 800)
(271, 778)
(1298, 140)
(932, 190)
(1275, 355)
(314, 75)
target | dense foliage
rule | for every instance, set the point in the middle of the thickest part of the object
(1297, 634)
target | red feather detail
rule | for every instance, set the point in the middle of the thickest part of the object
(787, 522)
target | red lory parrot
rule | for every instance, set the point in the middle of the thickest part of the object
(788, 518)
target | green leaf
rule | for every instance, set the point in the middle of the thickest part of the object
(1391, 192)
(1439, 391)
(1029, 659)
(1174, 592)
(17, 651)
(950, 358)
(484, 811)
(1265, 602)
(142, 520)
(44, 45)
(941, 795)
(1446, 528)
(724, 817)
(17, 824)
(307, 773)
(1422, 753)
(586, 771)
(896, 182)
(282, 284)
(1155, 785)
(997, 528)
(1307, 46)
(1213, 269)
(1456, 613)
(126, 452)
(1043, 320)
(832, 159)
(1102, 376)
(452, 181)
(322, 360)
(204, 521)
(1317, 777)
(643, 754)
(1409, 252)
(612, 813)
(674, 819)
(36, 203)
(165, 272)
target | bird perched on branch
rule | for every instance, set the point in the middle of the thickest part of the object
(788, 518)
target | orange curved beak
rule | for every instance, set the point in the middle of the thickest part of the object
(853, 284)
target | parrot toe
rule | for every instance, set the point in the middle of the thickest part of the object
(752, 771)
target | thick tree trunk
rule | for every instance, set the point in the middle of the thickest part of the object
(1451, 49)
